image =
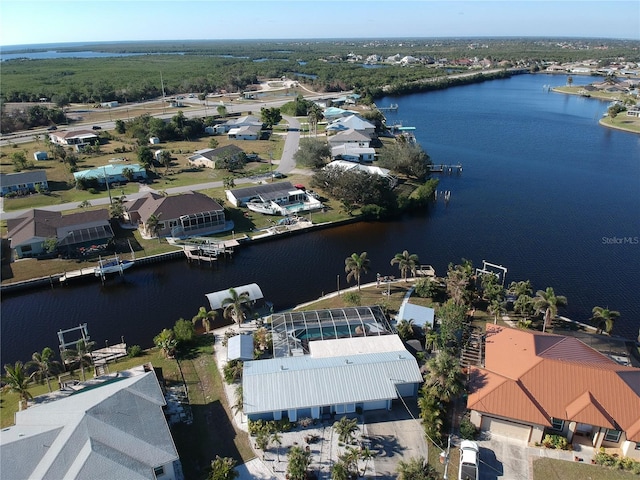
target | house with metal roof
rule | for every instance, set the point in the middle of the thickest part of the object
(338, 376)
(113, 427)
(29, 232)
(252, 290)
(534, 383)
(184, 215)
(23, 183)
(353, 153)
(356, 123)
(266, 192)
(245, 121)
(112, 173)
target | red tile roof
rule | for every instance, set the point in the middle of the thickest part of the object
(532, 377)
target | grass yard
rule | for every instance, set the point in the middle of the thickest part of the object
(212, 432)
(550, 469)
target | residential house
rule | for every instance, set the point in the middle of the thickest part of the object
(245, 121)
(23, 183)
(73, 232)
(113, 173)
(353, 153)
(535, 383)
(239, 197)
(207, 157)
(183, 215)
(332, 113)
(246, 132)
(349, 136)
(329, 362)
(78, 139)
(373, 170)
(356, 123)
(111, 427)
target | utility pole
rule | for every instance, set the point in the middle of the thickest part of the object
(446, 458)
(106, 180)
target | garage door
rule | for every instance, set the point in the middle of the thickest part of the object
(515, 431)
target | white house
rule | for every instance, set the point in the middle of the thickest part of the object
(349, 136)
(353, 153)
(246, 132)
(154, 140)
(76, 138)
(338, 376)
(111, 427)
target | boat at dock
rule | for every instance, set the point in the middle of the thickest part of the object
(115, 265)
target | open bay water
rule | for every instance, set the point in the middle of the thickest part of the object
(545, 191)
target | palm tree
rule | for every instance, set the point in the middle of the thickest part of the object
(298, 463)
(457, 281)
(605, 317)
(346, 429)
(153, 225)
(355, 266)
(44, 365)
(405, 329)
(16, 380)
(406, 263)
(223, 469)
(366, 455)
(235, 306)
(431, 413)
(496, 308)
(82, 354)
(340, 471)
(520, 288)
(277, 439)
(238, 405)
(547, 303)
(444, 378)
(166, 341)
(415, 469)
(206, 317)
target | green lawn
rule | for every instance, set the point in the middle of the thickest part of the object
(550, 469)
(212, 432)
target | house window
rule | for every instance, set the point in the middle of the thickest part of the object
(557, 424)
(158, 471)
(612, 436)
(638, 446)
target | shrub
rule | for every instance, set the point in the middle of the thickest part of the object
(614, 461)
(134, 351)
(352, 298)
(305, 422)
(468, 430)
(426, 288)
(557, 442)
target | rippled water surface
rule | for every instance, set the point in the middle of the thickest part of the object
(545, 191)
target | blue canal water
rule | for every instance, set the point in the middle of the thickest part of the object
(545, 191)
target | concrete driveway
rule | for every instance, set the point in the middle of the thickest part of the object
(393, 436)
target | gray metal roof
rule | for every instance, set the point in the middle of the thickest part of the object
(303, 382)
(240, 347)
(216, 298)
(266, 190)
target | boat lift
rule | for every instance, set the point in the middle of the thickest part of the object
(501, 273)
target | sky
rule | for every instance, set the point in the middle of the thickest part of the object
(61, 21)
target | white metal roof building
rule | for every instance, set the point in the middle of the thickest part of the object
(113, 429)
(325, 384)
(216, 298)
(240, 347)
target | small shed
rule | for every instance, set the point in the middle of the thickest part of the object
(240, 347)
(216, 298)
(422, 316)
(154, 140)
(40, 156)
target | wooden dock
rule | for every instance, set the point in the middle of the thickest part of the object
(445, 168)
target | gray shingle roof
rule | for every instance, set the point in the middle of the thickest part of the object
(113, 430)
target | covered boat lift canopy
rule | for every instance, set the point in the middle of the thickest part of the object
(216, 298)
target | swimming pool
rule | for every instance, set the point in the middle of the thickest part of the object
(327, 332)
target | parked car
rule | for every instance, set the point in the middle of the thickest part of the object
(97, 127)
(277, 174)
(52, 128)
(469, 460)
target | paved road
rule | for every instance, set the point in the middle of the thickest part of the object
(286, 165)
